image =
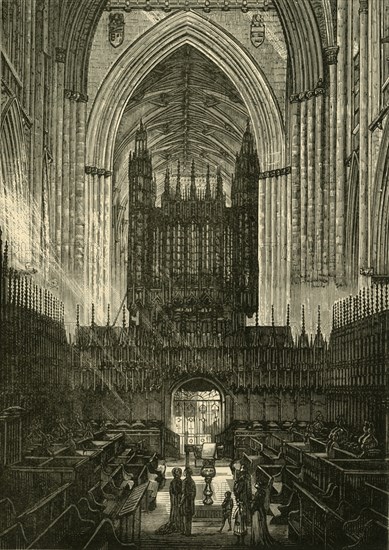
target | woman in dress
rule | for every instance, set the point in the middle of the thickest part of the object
(240, 522)
(260, 536)
(175, 523)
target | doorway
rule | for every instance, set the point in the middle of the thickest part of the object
(197, 413)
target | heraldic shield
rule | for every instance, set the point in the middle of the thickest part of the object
(116, 29)
(257, 31)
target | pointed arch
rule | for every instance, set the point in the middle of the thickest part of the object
(155, 45)
(13, 188)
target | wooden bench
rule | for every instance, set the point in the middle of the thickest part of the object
(366, 532)
(96, 496)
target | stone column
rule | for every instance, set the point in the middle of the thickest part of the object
(295, 214)
(72, 176)
(99, 232)
(261, 245)
(363, 253)
(59, 126)
(288, 241)
(303, 191)
(65, 181)
(329, 182)
(107, 238)
(79, 233)
(279, 282)
(311, 160)
(341, 115)
(268, 244)
(319, 158)
(274, 239)
(88, 230)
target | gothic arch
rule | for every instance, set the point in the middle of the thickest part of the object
(225, 395)
(13, 176)
(156, 44)
(308, 27)
(304, 44)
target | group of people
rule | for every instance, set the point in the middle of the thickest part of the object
(182, 503)
(365, 446)
(251, 510)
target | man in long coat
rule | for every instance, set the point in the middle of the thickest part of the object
(188, 501)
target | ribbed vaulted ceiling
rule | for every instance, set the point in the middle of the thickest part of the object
(191, 111)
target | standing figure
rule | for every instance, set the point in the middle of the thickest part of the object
(260, 536)
(188, 501)
(240, 524)
(227, 506)
(242, 489)
(175, 523)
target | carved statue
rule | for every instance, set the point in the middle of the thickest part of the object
(368, 441)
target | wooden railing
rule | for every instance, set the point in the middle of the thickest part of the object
(68, 523)
(312, 471)
(320, 526)
(293, 453)
(36, 518)
(170, 444)
(378, 499)
(13, 537)
(7, 514)
(105, 537)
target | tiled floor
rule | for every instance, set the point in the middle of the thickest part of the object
(204, 531)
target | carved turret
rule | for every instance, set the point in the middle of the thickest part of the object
(208, 194)
(178, 183)
(166, 191)
(193, 193)
(219, 184)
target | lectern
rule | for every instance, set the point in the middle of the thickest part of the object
(208, 470)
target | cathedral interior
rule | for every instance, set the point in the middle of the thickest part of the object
(194, 274)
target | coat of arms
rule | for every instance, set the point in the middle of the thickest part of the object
(116, 29)
(257, 31)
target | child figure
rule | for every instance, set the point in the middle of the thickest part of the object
(227, 506)
(240, 525)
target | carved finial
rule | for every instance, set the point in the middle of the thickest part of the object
(108, 314)
(377, 298)
(302, 320)
(381, 297)
(78, 316)
(167, 183)
(319, 341)
(93, 316)
(124, 317)
(178, 185)
(208, 185)
(288, 315)
(272, 316)
(192, 181)
(5, 258)
(219, 183)
(364, 302)
(256, 318)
